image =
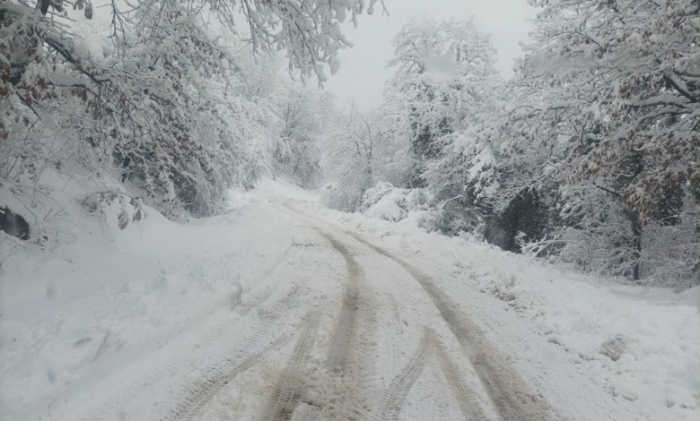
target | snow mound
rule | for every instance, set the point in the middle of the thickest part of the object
(691, 297)
(384, 201)
(78, 302)
(642, 345)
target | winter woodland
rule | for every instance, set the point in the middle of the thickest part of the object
(588, 156)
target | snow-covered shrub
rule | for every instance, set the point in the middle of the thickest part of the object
(346, 195)
(384, 201)
(462, 181)
(387, 202)
(604, 243)
(671, 254)
(300, 162)
(336, 197)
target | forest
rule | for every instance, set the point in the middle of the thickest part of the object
(588, 157)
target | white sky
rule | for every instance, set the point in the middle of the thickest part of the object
(362, 68)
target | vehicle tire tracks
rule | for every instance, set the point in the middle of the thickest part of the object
(398, 389)
(201, 391)
(291, 386)
(401, 385)
(218, 375)
(345, 331)
(510, 394)
(205, 389)
(288, 301)
(338, 384)
(466, 398)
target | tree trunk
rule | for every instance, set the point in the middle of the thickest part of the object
(43, 6)
(633, 215)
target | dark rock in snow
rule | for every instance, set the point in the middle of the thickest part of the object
(13, 224)
(526, 213)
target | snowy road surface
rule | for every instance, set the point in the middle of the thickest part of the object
(339, 330)
(331, 322)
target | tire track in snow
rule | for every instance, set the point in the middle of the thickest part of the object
(346, 373)
(345, 331)
(185, 382)
(468, 404)
(205, 389)
(262, 296)
(155, 370)
(398, 389)
(216, 377)
(345, 334)
(185, 393)
(402, 384)
(290, 388)
(510, 394)
(245, 307)
(288, 300)
(350, 344)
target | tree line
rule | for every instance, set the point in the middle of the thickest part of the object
(177, 100)
(587, 156)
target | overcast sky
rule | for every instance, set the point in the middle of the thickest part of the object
(363, 68)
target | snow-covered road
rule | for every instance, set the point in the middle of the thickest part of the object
(281, 310)
(393, 330)
(340, 330)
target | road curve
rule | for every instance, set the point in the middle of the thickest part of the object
(340, 329)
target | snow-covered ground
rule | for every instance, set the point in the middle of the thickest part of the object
(109, 298)
(282, 309)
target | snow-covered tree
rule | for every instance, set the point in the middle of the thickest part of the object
(624, 77)
(395, 161)
(304, 113)
(444, 90)
(428, 133)
(169, 108)
(444, 75)
(613, 102)
(308, 30)
(350, 160)
(157, 108)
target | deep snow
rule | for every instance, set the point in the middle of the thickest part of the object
(109, 307)
(109, 297)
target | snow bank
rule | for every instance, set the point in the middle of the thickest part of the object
(101, 292)
(636, 349)
(408, 206)
(691, 297)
